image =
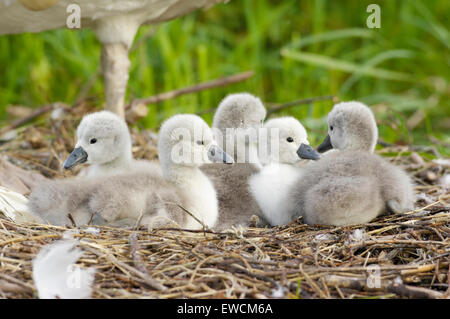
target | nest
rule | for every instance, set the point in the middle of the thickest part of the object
(396, 256)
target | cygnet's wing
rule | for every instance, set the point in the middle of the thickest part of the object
(343, 201)
(138, 195)
(392, 182)
(54, 200)
(397, 189)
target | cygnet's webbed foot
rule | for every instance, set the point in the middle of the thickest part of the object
(257, 222)
(254, 221)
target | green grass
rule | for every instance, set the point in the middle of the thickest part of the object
(296, 48)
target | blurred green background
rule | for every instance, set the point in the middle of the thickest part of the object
(297, 48)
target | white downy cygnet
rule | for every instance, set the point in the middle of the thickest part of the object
(103, 142)
(156, 197)
(352, 185)
(285, 137)
(185, 143)
(236, 124)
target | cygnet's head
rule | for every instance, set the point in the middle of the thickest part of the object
(186, 140)
(239, 110)
(103, 138)
(351, 127)
(238, 119)
(286, 136)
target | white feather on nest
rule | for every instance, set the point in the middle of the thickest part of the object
(56, 276)
(14, 206)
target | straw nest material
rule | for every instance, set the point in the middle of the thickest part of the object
(397, 256)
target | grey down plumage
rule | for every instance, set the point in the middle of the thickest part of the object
(350, 185)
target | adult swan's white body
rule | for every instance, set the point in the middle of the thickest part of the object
(114, 21)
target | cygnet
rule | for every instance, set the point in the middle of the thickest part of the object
(103, 142)
(285, 136)
(351, 185)
(236, 125)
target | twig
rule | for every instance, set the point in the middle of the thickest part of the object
(190, 214)
(208, 231)
(435, 141)
(39, 111)
(136, 258)
(22, 239)
(13, 288)
(192, 89)
(420, 269)
(278, 107)
(414, 292)
(149, 281)
(413, 148)
(16, 281)
(345, 282)
(72, 220)
(249, 273)
(384, 143)
(312, 283)
(397, 288)
(283, 106)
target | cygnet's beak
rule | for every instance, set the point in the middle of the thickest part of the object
(218, 155)
(77, 156)
(307, 152)
(326, 145)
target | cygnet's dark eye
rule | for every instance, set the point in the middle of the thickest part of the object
(93, 141)
(290, 139)
(331, 128)
(200, 143)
